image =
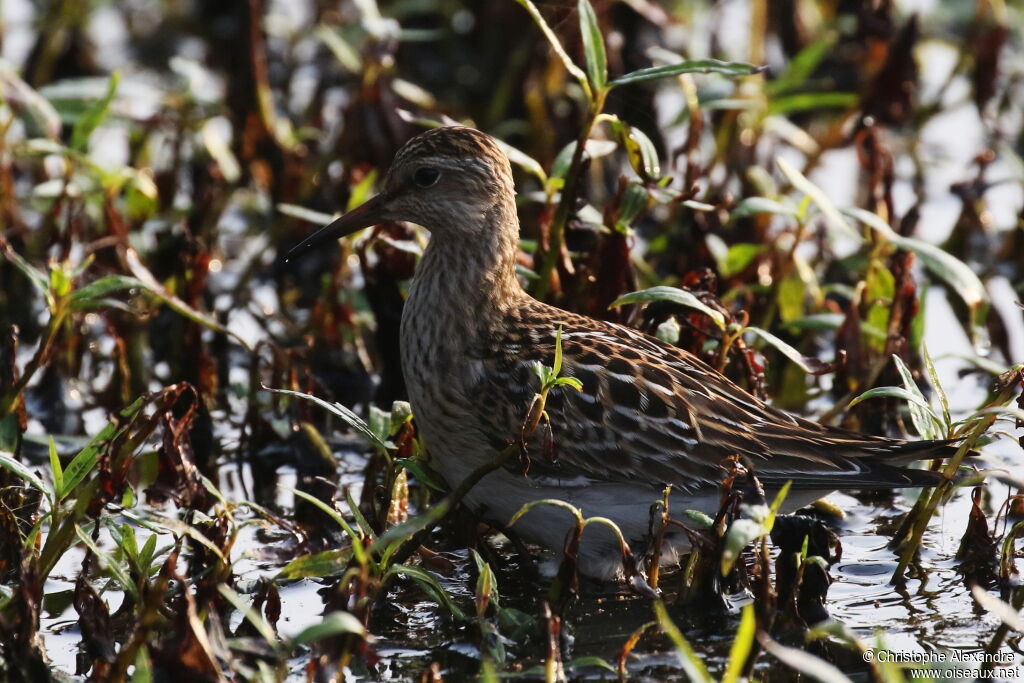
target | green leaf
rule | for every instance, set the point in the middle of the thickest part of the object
(751, 206)
(933, 379)
(740, 534)
(804, 662)
(689, 661)
(890, 392)
(336, 623)
(741, 645)
(556, 367)
(150, 284)
(143, 672)
(330, 511)
(833, 218)
(810, 365)
(737, 257)
(346, 415)
(524, 161)
(673, 295)
(114, 567)
(317, 565)
(704, 66)
(55, 469)
(810, 101)
(94, 116)
(34, 110)
(698, 519)
(954, 272)
(39, 279)
(593, 46)
(643, 156)
(8, 462)
(430, 584)
(925, 420)
(84, 461)
(552, 39)
(800, 68)
(102, 287)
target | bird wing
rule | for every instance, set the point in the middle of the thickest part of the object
(652, 412)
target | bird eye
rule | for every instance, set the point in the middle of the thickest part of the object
(425, 176)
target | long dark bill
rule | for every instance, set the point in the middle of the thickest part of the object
(363, 216)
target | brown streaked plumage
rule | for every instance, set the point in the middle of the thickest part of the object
(649, 414)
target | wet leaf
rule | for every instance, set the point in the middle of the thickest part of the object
(336, 623)
(324, 563)
(429, 583)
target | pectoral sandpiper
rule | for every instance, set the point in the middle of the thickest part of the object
(649, 414)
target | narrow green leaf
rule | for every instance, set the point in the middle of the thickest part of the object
(357, 540)
(833, 218)
(94, 115)
(336, 623)
(933, 379)
(742, 643)
(674, 295)
(143, 672)
(106, 285)
(889, 392)
(810, 101)
(690, 662)
(751, 206)
(114, 567)
(804, 662)
(82, 464)
(56, 471)
(429, 583)
(8, 462)
(35, 111)
(810, 365)
(954, 272)
(552, 39)
(317, 565)
(346, 415)
(253, 617)
(593, 45)
(925, 420)
(703, 66)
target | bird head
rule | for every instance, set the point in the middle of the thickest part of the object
(449, 180)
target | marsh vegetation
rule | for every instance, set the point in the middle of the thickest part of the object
(207, 467)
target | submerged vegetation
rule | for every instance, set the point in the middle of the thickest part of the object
(207, 467)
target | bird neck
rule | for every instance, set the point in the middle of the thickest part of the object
(471, 280)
